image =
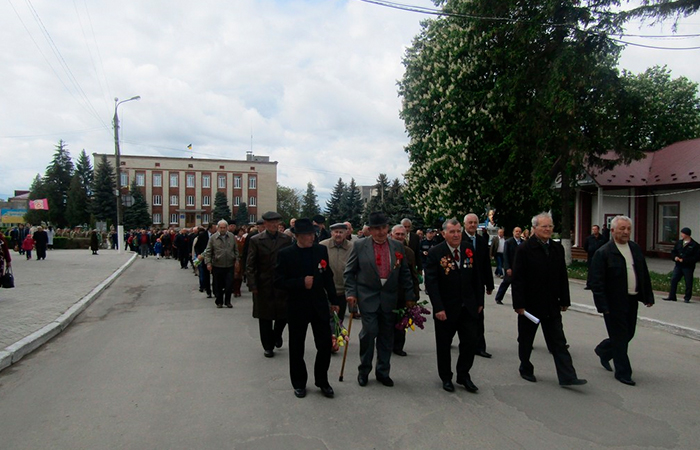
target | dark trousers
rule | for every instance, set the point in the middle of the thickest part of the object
(466, 328)
(503, 288)
(621, 327)
(271, 332)
(322, 340)
(556, 344)
(678, 273)
(377, 326)
(40, 252)
(480, 339)
(399, 337)
(204, 278)
(183, 257)
(499, 263)
(223, 284)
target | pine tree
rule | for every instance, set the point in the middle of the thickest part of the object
(104, 202)
(57, 179)
(136, 215)
(77, 211)
(351, 205)
(309, 205)
(37, 190)
(242, 214)
(334, 204)
(84, 170)
(380, 197)
(221, 208)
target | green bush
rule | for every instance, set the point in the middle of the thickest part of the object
(64, 243)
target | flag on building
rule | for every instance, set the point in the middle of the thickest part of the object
(39, 203)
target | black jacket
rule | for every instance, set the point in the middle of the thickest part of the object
(688, 253)
(608, 278)
(591, 244)
(509, 252)
(482, 260)
(540, 281)
(202, 241)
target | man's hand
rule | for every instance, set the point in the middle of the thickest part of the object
(200, 257)
(410, 304)
(489, 292)
(509, 272)
(441, 315)
(520, 311)
(209, 268)
(335, 309)
(352, 301)
(564, 308)
(481, 308)
(308, 281)
(649, 305)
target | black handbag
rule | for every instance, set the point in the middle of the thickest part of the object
(7, 280)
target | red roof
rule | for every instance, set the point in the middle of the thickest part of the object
(678, 163)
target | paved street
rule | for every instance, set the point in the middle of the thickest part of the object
(152, 364)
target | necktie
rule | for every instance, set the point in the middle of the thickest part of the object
(474, 242)
(456, 255)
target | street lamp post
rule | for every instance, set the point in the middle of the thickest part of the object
(120, 227)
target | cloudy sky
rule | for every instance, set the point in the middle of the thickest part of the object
(315, 81)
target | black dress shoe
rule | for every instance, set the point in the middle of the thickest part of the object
(327, 391)
(386, 381)
(574, 382)
(528, 377)
(269, 353)
(209, 295)
(686, 301)
(499, 302)
(229, 306)
(669, 299)
(448, 386)
(362, 379)
(201, 290)
(587, 288)
(278, 343)
(604, 362)
(627, 381)
(400, 352)
(219, 306)
(484, 354)
(468, 385)
(300, 393)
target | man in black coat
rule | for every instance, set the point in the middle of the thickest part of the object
(455, 290)
(482, 263)
(685, 253)
(591, 245)
(511, 246)
(412, 241)
(304, 272)
(619, 281)
(541, 287)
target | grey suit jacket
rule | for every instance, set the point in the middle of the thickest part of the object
(362, 277)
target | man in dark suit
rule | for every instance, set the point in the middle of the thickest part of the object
(685, 253)
(303, 270)
(591, 245)
(541, 287)
(482, 263)
(398, 233)
(511, 246)
(619, 281)
(375, 269)
(453, 285)
(412, 241)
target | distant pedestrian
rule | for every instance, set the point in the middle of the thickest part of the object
(41, 242)
(511, 246)
(591, 245)
(685, 253)
(5, 257)
(50, 233)
(94, 242)
(221, 257)
(158, 248)
(28, 246)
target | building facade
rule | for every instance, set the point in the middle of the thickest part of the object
(180, 192)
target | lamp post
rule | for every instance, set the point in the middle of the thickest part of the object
(120, 227)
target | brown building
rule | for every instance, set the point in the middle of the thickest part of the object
(180, 191)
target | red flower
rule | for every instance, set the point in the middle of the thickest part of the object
(399, 256)
(323, 264)
(468, 252)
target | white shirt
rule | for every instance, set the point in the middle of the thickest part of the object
(629, 262)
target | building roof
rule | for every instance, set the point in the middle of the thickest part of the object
(679, 163)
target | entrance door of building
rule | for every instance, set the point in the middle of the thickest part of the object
(190, 220)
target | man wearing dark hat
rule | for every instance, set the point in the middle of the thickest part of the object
(320, 226)
(375, 269)
(685, 253)
(304, 272)
(269, 303)
(338, 250)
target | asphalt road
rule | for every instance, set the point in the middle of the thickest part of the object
(152, 364)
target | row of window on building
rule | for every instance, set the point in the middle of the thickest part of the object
(189, 180)
(206, 200)
(206, 218)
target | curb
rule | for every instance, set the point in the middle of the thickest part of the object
(13, 353)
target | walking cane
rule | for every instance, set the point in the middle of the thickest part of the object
(345, 353)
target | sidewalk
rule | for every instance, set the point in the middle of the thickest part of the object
(49, 294)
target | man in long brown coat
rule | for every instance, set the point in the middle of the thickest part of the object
(269, 303)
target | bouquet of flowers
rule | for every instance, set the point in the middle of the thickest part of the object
(412, 317)
(340, 333)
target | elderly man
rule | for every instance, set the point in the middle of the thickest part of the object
(398, 233)
(511, 245)
(269, 303)
(619, 281)
(412, 241)
(221, 257)
(304, 272)
(338, 251)
(375, 269)
(348, 233)
(455, 291)
(541, 287)
(685, 253)
(482, 263)
(497, 248)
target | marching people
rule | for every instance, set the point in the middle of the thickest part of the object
(685, 253)
(304, 272)
(221, 257)
(41, 242)
(374, 271)
(399, 233)
(320, 225)
(497, 249)
(510, 247)
(412, 241)
(269, 303)
(28, 245)
(541, 288)
(453, 285)
(94, 242)
(200, 246)
(5, 256)
(426, 244)
(238, 272)
(338, 251)
(591, 245)
(619, 281)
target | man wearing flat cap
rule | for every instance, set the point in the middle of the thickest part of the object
(320, 226)
(685, 253)
(269, 303)
(303, 271)
(338, 250)
(375, 269)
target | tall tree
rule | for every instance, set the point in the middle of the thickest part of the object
(104, 202)
(83, 167)
(378, 202)
(136, 215)
(221, 208)
(242, 214)
(77, 210)
(57, 180)
(351, 205)
(37, 190)
(334, 203)
(288, 202)
(309, 205)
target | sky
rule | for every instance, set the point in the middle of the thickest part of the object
(311, 84)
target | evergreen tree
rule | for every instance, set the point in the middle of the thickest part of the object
(351, 205)
(288, 202)
(334, 204)
(378, 202)
(84, 170)
(104, 203)
(57, 179)
(309, 205)
(37, 190)
(136, 215)
(221, 208)
(77, 211)
(242, 214)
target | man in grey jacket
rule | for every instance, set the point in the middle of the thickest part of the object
(221, 257)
